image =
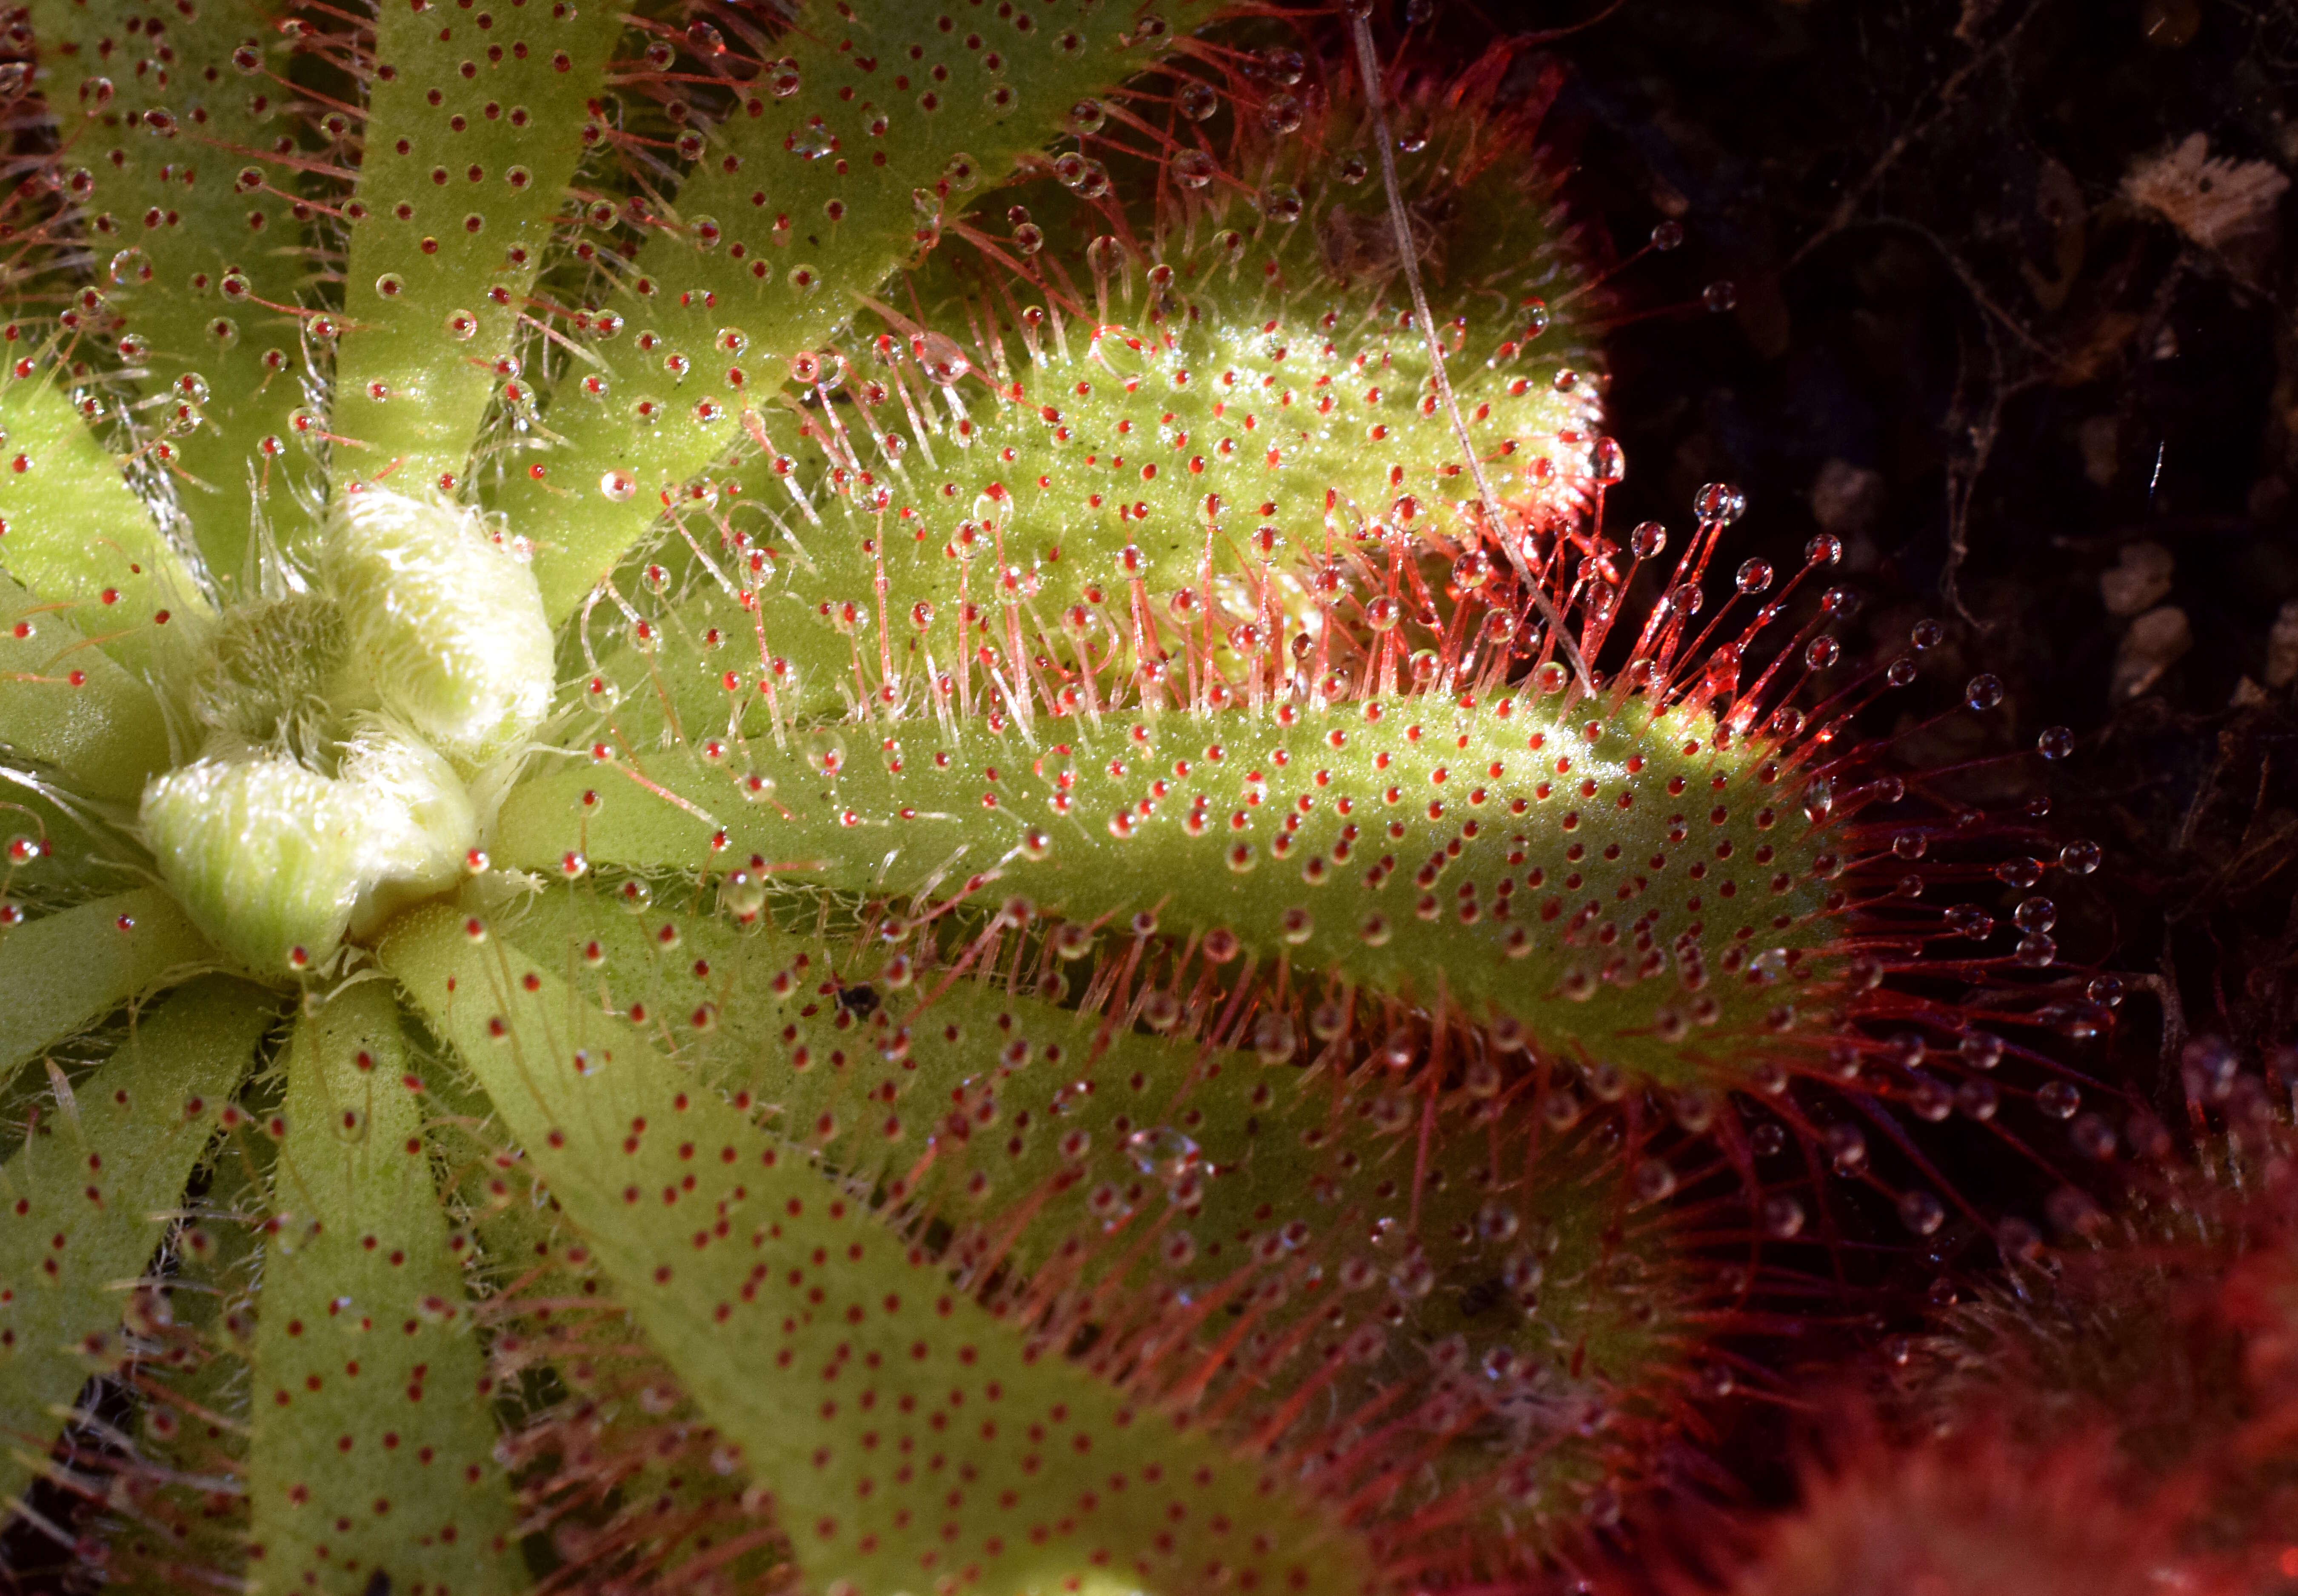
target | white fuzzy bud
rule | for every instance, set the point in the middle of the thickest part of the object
(448, 629)
(421, 824)
(264, 854)
(276, 862)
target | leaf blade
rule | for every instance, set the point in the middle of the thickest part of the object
(79, 1200)
(371, 1452)
(713, 1318)
(105, 729)
(71, 968)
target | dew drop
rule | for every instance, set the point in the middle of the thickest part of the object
(1498, 1222)
(825, 751)
(1160, 1012)
(1198, 100)
(1847, 1147)
(1285, 66)
(2037, 951)
(2059, 1099)
(1607, 463)
(941, 359)
(390, 285)
(1982, 1050)
(618, 486)
(2092, 1137)
(1283, 204)
(1194, 169)
(1163, 1155)
(1931, 1099)
(130, 268)
(1720, 502)
(1274, 1039)
(743, 895)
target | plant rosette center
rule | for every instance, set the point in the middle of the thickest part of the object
(351, 730)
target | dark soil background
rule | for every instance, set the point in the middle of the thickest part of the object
(2033, 405)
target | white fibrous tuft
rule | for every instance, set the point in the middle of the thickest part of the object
(276, 862)
(448, 628)
(421, 823)
(264, 855)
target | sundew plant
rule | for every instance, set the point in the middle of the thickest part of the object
(860, 796)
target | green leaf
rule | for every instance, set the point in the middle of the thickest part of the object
(73, 532)
(71, 968)
(434, 304)
(1190, 435)
(616, 1467)
(728, 287)
(720, 1239)
(81, 856)
(160, 123)
(1103, 1165)
(85, 1201)
(1641, 891)
(181, 1496)
(372, 1453)
(73, 707)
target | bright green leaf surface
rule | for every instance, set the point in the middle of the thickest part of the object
(73, 706)
(71, 969)
(798, 207)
